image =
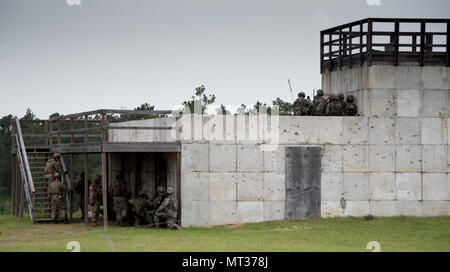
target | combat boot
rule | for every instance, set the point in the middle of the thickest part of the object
(176, 226)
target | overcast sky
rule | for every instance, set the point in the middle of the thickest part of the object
(56, 57)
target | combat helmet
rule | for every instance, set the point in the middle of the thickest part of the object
(160, 189)
(341, 97)
(56, 155)
(301, 94)
(320, 92)
(170, 190)
(143, 194)
(350, 98)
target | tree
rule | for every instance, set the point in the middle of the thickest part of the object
(200, 97)
(5, 153)
(285, 108)
(222, 110)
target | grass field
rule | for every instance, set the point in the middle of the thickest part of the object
(340, 234)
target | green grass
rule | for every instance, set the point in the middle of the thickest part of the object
(339, 234)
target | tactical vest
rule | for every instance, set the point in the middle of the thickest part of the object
(321, 105)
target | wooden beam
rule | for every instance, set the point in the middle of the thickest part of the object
(422, 43)
(178, 166)
(22, 197)
(396, 42)
(141, 147)
(71, 185)
(13, 184)
(86, 176)
(369, 41)
(86, 189)
(105, 191)
(17, 190)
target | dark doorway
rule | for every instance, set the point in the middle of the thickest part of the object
(303, 171)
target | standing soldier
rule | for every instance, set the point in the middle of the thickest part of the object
(168, 210)
(79, 189)
(56, 196)
(351, 108)
(334, 107)
(301, 105)
(95, 198)
(52, 167)
(119, 194)
(319, 104)
(343, 104)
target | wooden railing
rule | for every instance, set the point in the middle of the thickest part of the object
(385, 40)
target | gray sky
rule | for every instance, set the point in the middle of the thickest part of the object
(114, 54)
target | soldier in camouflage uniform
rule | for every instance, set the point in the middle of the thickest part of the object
(52, 167)
(168, 210)
(351, 109)
(319, 104)
(333, 107)
(119, 194)
(142, 209)
(95, 198)
(56, 196)
(301, 105)
(79, 189)
(343, 104)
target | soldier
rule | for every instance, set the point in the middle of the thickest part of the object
(333, 107)
(319, 104)
(79, 189)
(351, 108)
(343, 104)
(142, 209)
(301, 105)
(119, 194)
(95, 198)
(52, 167)
(56, 196)
(168, 210)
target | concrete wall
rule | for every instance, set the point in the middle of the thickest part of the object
(391, 160)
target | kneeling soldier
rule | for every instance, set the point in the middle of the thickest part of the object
(168, 210)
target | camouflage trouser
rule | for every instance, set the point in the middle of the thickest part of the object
(95, 210)
(58, 204)
(48, 178)
(164, 219)
(120, 208)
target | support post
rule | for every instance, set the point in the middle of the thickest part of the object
(22, 196)
(86, 177)
(422, 43)
(17, 187)
(178, 162)
(71, 186)
(361, 57)
(13, 184)
(369, 41)
(104, 176)
(396, 42)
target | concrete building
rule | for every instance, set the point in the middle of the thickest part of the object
(392, 159)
